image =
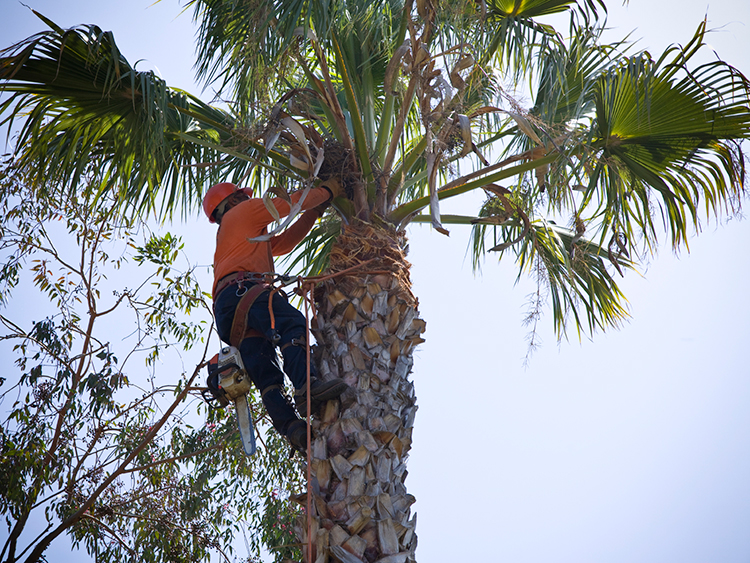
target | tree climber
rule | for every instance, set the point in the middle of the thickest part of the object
(241, 295)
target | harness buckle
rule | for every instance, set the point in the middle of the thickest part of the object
(275, 337)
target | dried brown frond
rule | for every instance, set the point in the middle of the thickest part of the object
(340, 163)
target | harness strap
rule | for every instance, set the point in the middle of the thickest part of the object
(237, 278)
(240, 331)
(293, 342)
(269, 388)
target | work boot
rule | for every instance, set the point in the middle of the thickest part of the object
(320, 391)
(296, 433)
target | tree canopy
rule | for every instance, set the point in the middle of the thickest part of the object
(403, 96)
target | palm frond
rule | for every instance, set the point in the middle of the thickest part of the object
(250, 47)
(668, 141)
(568, 72)
(312, 255)
(572, 270)
(514, 36)
(88, 113)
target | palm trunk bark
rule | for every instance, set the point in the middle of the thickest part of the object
(367, 327)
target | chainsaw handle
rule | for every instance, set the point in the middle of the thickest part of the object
(211, 400)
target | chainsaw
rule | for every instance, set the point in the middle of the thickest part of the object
(228, 381)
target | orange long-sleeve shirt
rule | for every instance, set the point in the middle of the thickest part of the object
(250, 219)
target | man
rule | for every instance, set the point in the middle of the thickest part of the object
(241, 299)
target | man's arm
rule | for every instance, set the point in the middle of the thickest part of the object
(285, 242)
(255, 210)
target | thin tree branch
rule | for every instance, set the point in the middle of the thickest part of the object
(110, 531)
(177, 457)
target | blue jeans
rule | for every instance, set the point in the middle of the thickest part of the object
(259, 354)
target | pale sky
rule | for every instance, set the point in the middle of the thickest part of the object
(634, 446)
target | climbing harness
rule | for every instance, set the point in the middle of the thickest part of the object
(249, 287)
(293, 342)
(239, 330)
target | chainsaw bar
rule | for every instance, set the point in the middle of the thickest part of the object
(245, 424)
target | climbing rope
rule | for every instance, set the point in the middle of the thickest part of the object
(308, 306)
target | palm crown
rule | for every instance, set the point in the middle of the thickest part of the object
(393, 99)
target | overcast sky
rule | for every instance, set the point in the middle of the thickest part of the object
(633, 446)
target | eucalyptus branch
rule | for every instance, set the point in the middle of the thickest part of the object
(46, 499)
(178, 457)
(81, 460)
(176, 527)
(23, 335)
(110, 531)
(145, 492)
(88, 281)
(32, 542)
(113, 307)
(71, 393)
(75, 517)
(91, 352)
(52, 251)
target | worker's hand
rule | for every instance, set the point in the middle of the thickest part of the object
(320, 209)
(333, 186)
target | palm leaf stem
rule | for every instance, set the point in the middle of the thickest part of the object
(398, 128)
(397, 181)
(406, 103)
(448, 219)
(399, 214)
(334, 122)
(329, 93)
(360, 139)
(528, 155)
(282, 160)
(385, 132)
(366, 91)
(385, 129)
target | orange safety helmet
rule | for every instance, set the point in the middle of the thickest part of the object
(214, 196)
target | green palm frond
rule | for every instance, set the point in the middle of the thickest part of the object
(250, 46)
(567, 75)
(514, 34)
(667, 140)
(575, 274)
(88, 113)
(242, 46)
(312, 255)
(572, 271)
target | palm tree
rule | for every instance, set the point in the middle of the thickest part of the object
(406, 104)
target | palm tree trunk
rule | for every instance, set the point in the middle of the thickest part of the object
(367, 327)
